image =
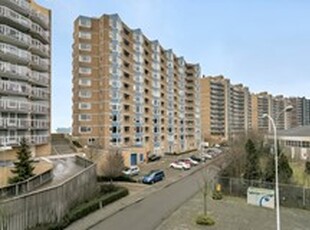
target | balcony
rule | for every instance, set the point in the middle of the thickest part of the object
(39, 108)
(41, 19)
(39, 63)
(39, 48)
(40, 78)
(39, 33)
(15, 88)
(10, 105)
(39, 139)
(14, 37)
(16, 123)
(20, 6)
(40, 93)
(14, 19)
(40, 124)
(14, 54)
(14, 71)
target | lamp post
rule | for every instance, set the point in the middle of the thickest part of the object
(286, 109)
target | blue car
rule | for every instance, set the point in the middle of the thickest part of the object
(153, 176)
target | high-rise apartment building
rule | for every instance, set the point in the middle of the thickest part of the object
(25, 73)
(261, 104)
(225, 109)
(300, 115)
(129, 91)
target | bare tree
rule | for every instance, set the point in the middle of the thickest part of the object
(113, 163)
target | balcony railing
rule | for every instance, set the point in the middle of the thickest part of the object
(17, 18)
(18, 123)
(13, 53)
(14, 71)
(40, 93)
(39, 108)
(38, 30)
(15, 140)
(39, 48)
(14, 87)
(14, 36)
(40, 18)
(20, 6)
(40, 78)
(14, 105)
(39, 124)
(40, 63)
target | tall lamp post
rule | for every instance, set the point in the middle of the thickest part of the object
(286, 109)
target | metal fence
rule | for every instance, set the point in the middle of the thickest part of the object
(290, 195)
(51, 204)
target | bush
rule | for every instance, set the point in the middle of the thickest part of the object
(204, 220)
(307, 167)
(119, 178)
(217, 195)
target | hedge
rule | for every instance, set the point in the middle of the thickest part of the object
(85, 208)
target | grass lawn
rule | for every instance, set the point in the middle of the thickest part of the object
(5, 172)
(299, 175)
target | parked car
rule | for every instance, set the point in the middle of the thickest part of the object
(153, 176)
(206, 156)
(131, 171)
(180, 165)
(153, 157)
(191, 161)
(196, 158)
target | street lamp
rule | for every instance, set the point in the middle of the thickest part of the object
(286, 109)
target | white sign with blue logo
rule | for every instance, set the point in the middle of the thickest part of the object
(261, 197)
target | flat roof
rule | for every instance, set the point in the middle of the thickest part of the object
(303, 131)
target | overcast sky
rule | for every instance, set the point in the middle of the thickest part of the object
(263, 44)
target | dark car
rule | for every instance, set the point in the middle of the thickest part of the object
(153, 157)
(195, 158)
(153, 176)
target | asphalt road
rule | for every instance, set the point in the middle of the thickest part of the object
(152, 210)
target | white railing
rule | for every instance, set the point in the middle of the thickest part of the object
(14, 51)
(39, 77)
(40, 18)
(39, 108)
(15, 123)
(16, 17)
(15, 140)
(14, 87)
(14, 105)
(15, 70)
(43, 62)
(36, 44)
(40, 93)
(15, 35)
(39, 30)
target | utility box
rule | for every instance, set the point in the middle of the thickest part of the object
(261, 197)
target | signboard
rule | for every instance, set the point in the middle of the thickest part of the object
(261, 197)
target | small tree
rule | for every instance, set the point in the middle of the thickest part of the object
(307, 167)
(285, 172)
(23, 167)
(252, 167)
(113, 164)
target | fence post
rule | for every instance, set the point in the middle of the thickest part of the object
(304, 197)
(230, 186)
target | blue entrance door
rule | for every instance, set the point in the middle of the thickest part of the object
(133, 159)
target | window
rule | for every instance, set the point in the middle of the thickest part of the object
(85, 58)
(85, 70)
(84, 93)
(85, 129)
(84, 35)
(85, 22)
(85, 82)
(84, 117)
(85, 106)
(85, 46)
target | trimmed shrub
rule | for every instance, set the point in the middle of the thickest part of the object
(217, 195)
(204, 220)
(119, 178)
(77, 144)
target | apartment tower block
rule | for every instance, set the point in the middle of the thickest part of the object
(25, 76)
(130, 92)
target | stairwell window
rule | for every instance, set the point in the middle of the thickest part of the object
(85, 70)
(85, 129)
(85, 35)
(84, 117)
(85, 46)
(84, 106)
(84, 93)
(85, 58)
(85, 22)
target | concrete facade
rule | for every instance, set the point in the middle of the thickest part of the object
(25, 75)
